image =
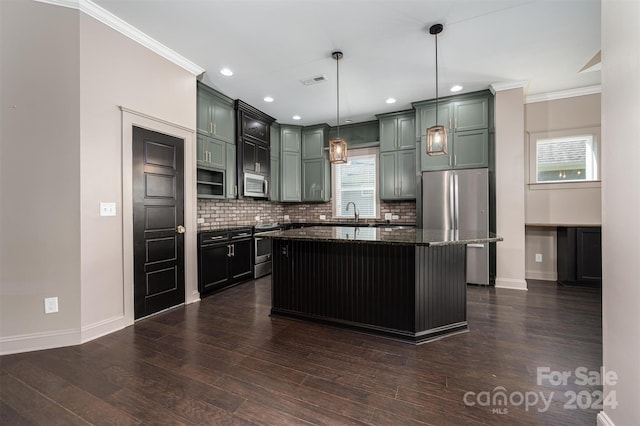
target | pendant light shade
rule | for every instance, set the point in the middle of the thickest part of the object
(436, 135)
(337, 146)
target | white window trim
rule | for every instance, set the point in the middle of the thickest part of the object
(353, 152)
(531, 157)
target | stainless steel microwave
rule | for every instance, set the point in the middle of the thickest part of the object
(256, 185)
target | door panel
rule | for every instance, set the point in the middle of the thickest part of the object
(388, 134)
(406, 132)
(407, 173)
(388, 173)
(158, 209)
(437, 208)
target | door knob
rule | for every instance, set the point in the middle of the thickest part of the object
(180, 229)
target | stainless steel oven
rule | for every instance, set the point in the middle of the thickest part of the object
(262, 249)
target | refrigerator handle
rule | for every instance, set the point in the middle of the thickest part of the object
(456, 201)
(452, 221)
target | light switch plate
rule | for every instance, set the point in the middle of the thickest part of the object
(395, 216)
(286, 217)
(107, 209)
(538, 257)
(201, 220)
(323, 217)
(387, 216)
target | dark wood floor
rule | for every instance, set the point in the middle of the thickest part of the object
(225, 361)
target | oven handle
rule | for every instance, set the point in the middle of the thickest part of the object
(243, 235)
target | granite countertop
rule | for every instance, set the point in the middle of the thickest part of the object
(384, 235)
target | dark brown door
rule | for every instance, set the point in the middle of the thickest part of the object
(158, 213)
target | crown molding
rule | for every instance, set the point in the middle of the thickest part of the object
(563, 94)
(91, 9)
(507, 85)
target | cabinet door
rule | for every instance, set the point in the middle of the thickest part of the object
(427, 117)
(406, 132)
(388, 173)
(313, 143)
(263, 158)
(274, 184)
(290, 176)
(255, 129)
(313, 179)
(231, 188)
(471, 149)
(389, 134)
(204, 119)
(589, 255)
(214, 267)
(436, 162)
(275, 141)
(211, 152)
(249, 156)
(290, 139)
(223, 118)
(241, 260)
(406, 174)
(471, 115)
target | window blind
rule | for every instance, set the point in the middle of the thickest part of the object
(356, 181)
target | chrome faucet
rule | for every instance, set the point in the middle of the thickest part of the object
(356, 215)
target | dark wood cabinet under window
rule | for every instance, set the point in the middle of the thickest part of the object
(580, 256)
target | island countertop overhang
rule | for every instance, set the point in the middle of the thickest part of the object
(386, 236)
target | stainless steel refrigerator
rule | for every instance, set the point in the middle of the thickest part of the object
(459, 199)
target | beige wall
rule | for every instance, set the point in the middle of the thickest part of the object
(510, 183)
(620, 206)
(40, 173)
(63, 152)
(118, 72)
(550, 204)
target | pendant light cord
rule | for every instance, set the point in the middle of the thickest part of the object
(338, 94)
(436, 79)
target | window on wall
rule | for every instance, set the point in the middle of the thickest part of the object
(357, 182)
(564, 157)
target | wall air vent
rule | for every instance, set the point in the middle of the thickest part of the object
(314, 80)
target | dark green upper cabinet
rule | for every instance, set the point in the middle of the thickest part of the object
(215, 116)
(290, 163)
(314, 140)
(398, 175)
(397, 131)
(290, 138)
(467, 120)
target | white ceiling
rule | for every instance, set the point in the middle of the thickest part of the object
(388, 52)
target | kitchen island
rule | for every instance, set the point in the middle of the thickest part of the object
(405, 284)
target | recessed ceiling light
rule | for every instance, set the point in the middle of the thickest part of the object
(226, 72)
(296, 117)
(391, 101)
(456, 88)
(348, 121)
(268, 99)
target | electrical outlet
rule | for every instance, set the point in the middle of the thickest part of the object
(539, 257)
(323, 217)
(395, 217)
(50, 305)
(387, 216)
(107, 209)
(201, 220)
(257, 218)
(286, 217)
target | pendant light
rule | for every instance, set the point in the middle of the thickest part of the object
(337, 146)
(436, 135)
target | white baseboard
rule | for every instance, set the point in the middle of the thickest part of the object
(604, 420)
(102, 328)
(541, 275)
(38, 341)
(510, 283)
(59, 338)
